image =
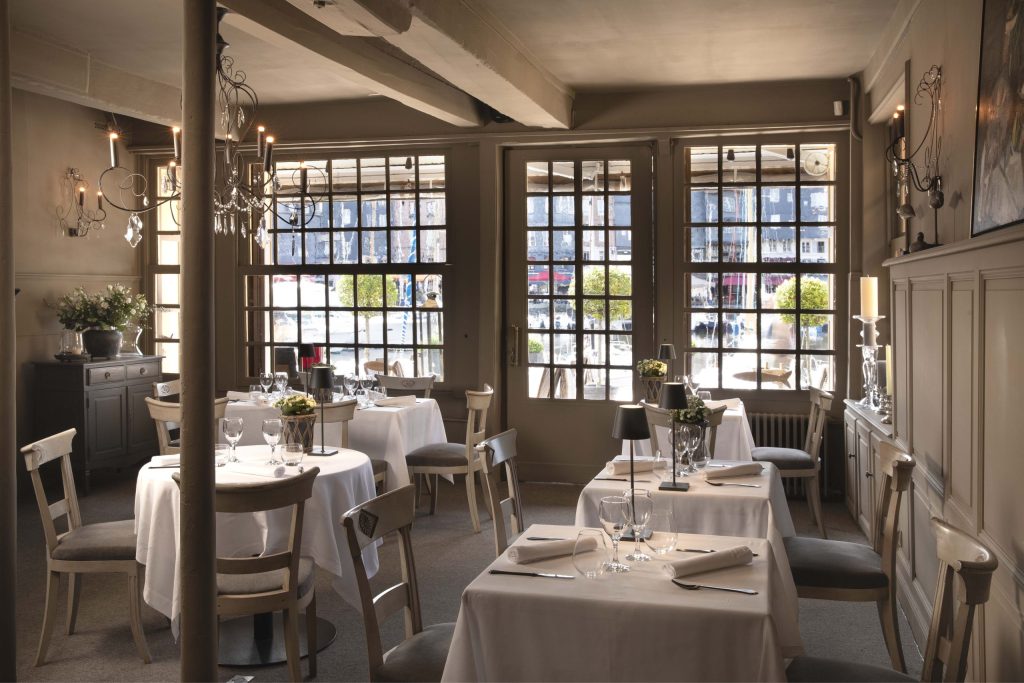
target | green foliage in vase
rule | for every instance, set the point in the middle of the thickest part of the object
(651, 367)
(296, 404)
(695, 412)
(111, 309)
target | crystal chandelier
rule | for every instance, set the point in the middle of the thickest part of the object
(244, 200)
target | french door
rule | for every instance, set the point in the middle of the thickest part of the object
(578, 299)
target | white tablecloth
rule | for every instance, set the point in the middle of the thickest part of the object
(345, 480)
(626, 627)
(733, 440)
(386, 433)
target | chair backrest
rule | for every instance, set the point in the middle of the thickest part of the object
(658, 417)
(895, 470)
(477, 404)
(714, 422)
(39, 453)
(507, 513)
(965, 577)
(821, 403)
(392, 512)
(164, 390)
(378, 366)
(406, 385)
(167, 415)
(343, 412)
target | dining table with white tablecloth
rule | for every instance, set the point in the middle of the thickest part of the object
(384, 432)
(345, 480)
(733, 438)
(635, 626)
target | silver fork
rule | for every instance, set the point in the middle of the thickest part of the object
(698, 586)
(733, 483)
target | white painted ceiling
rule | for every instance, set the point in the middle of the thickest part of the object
(587, 44)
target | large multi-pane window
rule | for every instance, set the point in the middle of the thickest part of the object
(759, 292)
(165, 271)
(355, 266)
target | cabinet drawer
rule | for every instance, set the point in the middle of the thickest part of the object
(144, 371)
(107, 375)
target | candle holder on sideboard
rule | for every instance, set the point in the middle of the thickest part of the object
(869, 354)
(885, 408)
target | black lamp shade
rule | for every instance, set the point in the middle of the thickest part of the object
(630, 423)
(667, 352)
(321, 377)
(307, 351)
(673, 396)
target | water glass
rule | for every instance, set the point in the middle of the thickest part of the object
(231, 427)
(272, 435)
(614, 516)
(281, 382)
(293, 453)
(704, 396)
(349, 383)
(266, 381)
(640, 507)
(663, 539)
(221, 454)
(255, 392)
(700, 456)
(590, 554)
(690, 437)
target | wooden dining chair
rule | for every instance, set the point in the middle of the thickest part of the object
(507, 513)
(165, 390)
(965, 579)
(343, 412)
(406, 385)
(422, 655)
(167, 417)
(379, 366)
(101, 548)
(795, 463)
(434, 460)
(282, 581)
(851, 572)
(660, 417)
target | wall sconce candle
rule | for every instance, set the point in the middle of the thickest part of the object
(99, 201)
(268, 155)
(176, 136)
(81, 196)
(260, 136)
(113, 150)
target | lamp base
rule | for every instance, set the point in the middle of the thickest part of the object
(628, 535)
(322, 451)
(674, 486)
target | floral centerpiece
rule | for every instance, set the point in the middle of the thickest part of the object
(298, 417)
(652, 375)
(692, 421)
(695, 412)
(102, 316)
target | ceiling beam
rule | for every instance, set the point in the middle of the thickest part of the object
(367, 64)
(49, 68)
(367, 18)
(465, 44)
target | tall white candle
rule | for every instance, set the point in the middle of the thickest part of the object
(113, 150)
(888, 370)
(869, 297)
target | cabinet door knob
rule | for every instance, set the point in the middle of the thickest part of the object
(851, 456)
(142, 371)
(106, 375)
(868, 474)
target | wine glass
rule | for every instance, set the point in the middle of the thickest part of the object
(590, 554)
(272, 435)
(266, 381)
(640, 507)
(700, 456)
(349, 382)
(231, 427)
(281, 382)
(704, 396)
(690, 438)
(614, 515)
(663, 539)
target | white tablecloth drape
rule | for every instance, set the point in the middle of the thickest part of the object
(388, 433)
(626, 627)
(345, 480)
(733, 440)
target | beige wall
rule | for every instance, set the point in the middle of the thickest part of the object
(49, 136)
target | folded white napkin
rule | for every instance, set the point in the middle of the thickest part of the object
(545, 550)
(409, 400)
(721, 559)
(272, 471)
(617, 466)
(165, 460)
(239, 396)
(733, 471)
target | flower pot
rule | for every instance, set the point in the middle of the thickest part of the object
(298, 429)
(102, 343)
(652, 388)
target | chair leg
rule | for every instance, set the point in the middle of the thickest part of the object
(471, 495)
(417, 479)
(135, 614)
(814, 501)
(891, 632)
(74, 588)
(487, 495)
(311, 641)
(52, 591)
(291, 643)
(435, 489)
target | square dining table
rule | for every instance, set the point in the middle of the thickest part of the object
(635, 626)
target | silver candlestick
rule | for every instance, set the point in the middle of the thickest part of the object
(869, 353)
(885, 409)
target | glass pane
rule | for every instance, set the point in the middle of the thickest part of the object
(168, 249)
(564, 245)
(403, 209)
(778, 204)
(430, 327)
(312, 291)
(703, 164)
(166, 288)
(168, 216)
(778, 164)
(374, 210)
(703, 245)
(703, 205)
(317, 216)
(286, 327)
(620, 280)
(564, 383)
(318, 248)
(816, 291)
(401, 173)
(620, 385)
(817, 371)
(167, 323)
(817, 205)
(431, 172)
(289, 248)
(314, 327)
(538, 279)
(778, 290)
(739, 205)
(340, 291)
(593, 280)
(777, 331)
(817, 244)
(375, 246)
(564, 348)
(562, 176)
(593, 245)
(403, 246)
(172, 356)
(704, 369)
(400, 327)
(369, 291)
(703, 290)
(620, 350)
(777, 371)
(778, 244)
(346, 212)
(620, 245)
(564, 278)
(620, 210)
(537, 176)
(816, 331)
(739, 330)
(595, 312)
(593, 209)
(433, 208)
(372, 176)
(343, 325)
(620, 315)
(594, 384)
(403, 287)
(404, 357)
(539, 314)
(538, 247)
(343, 360)
(817, 162)
(593, 176)
(739, 245)
(343, 175)
(540, 382)
(739, 370)
(563, 209)
(739, 164)
(431, 362)
(537, 211)
(704, 330)
(433, 246)
(620, 176)
(595, 351)
(429, 291)
(739, 290)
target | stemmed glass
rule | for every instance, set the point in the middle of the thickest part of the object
(366, 383)
(700, 456)
(640, 507)
(349, 382)
(690, 440)
(281, 382)
(590, 554)
(614, 515)
(232, 430)
(272, 435)
(663, 536)
(266, 380)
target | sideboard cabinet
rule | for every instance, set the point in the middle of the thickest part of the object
(105, 402)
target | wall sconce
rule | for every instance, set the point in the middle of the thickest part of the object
(905, 164)
(73, 217)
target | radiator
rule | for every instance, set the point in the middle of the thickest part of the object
(783, 431)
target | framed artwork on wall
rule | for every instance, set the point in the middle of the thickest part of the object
(999, 147)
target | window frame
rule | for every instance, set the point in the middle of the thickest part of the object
(151, 255)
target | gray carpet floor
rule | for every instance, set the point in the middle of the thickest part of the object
(448, 556)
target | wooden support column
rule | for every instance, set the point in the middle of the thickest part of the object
(8, 409)
(198, 531)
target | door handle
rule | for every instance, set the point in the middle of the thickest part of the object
(513, 346)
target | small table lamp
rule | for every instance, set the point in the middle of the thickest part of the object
(673, 397)
(667, 352)
(631, 424)
(322, 377)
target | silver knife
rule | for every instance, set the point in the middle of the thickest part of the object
(546, 575)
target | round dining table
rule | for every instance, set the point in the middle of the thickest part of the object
(345, 480)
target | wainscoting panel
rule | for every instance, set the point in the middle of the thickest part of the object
(960, 461)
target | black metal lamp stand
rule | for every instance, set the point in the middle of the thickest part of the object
(673, 397)
(322, 377)
(631, 424)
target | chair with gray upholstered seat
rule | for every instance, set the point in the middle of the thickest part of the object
(403, 386)
(507, 513)
(806, 463)
(852, 572)
(422, 655)
(965, 578)
(167, 417)
(107, 547)
(281, 581)
(342, 412)
(435, 460)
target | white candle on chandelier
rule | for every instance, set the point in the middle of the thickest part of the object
(869, 297)
(99, 200)
(227, 150)
(172, 172)
(260, 134)
(268, 154)
(176, 137)
(303, 177)
(81, 195)
(113, 150)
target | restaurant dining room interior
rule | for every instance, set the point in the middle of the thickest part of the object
(494, 340)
